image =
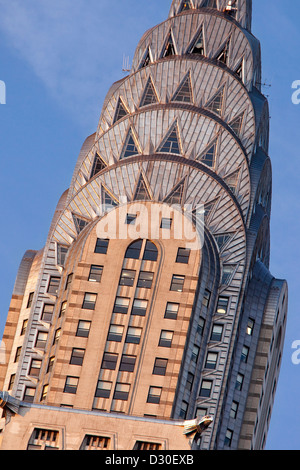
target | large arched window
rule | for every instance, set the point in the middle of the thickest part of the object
(134, 250)
(150, 252)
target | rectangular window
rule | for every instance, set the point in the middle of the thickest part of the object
(18, 353)
(190, 381)
(69, 281)
(133, 335)
(53, 285)
(245, 354)
(195, 353)
(183, 410)
(177, 283)
(139, 307)
(121, 305)
(206, 298)
(250, 327)
(127, 363)
(239, 382)
(206, 388)
(11, 381)
(43, 439)
(41, 340)
(95, 273)
(217, 332)
(121, 391)
(95, 443)
(103, 389)
(222, 305)
(57, 336)
(109, 361)
(35, 367)
(131, 219)
(77, 356)
(63, 308)
(24, 326)
(145, 280)
(183, 255)
(101, 246)
(127, 277)
(228, 438)
(171, 311)
(166, 223)
(71, 384)
(211, 360)
(154, 395)
(234, 409)
(115, 333)
(50, 364)
(140, 445)
(29, 394)
(201, 412)
(160, 366)
(83, 328)
(30, 299)
(200, 327)
(166, 338)
(89, 301)
(47, 312)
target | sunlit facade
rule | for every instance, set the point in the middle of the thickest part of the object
(152, 302)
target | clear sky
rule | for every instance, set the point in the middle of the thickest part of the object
(58, 59)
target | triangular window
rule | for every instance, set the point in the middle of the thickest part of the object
(121, 111)
(146, 60)
(108, 202)
(176, 195)
(184, 93)
(185, 6)
(208, 157)
(149, 96)
(141, 192)
(98, 165)
(236, 124)
(221, 240)
(232, 181)
(79, 223)
(130, 147)
(209, 207)
(198, 45)
(223, 55)
(216, 103)
(171, 142)
(227, 274)
(169, 48)
(240, 70)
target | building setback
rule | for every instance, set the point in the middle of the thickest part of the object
(124, 327)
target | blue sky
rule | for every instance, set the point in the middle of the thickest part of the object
(58, 60)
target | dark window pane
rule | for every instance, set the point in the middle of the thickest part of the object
(160, 366)
(95, 273)
(177, 283)
(127, 277)
(121, 305)
(171, 311)
(101, 246)
(103, 389)
(83, 328)
(53, 285)
(134, 250)
(109, 361)
(183, 255)
(139, 307)
(127, 363)
(150, 252)
(145, 280)
(77, 357)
